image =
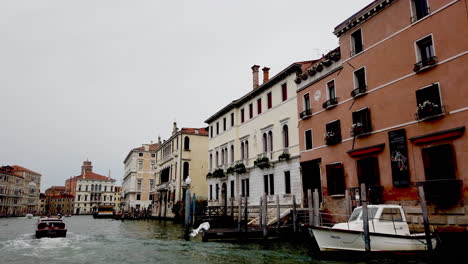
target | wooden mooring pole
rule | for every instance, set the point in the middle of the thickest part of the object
(309, 202)
(265, 215)
(365, 217)
(278, 213)
(348, 204)
(294, 213)
(422, 200)
(194, 202)
(239, 214)
(246, 214)
(260, 210)
(316, 208)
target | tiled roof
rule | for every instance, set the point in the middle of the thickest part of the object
(19, 168)
(93, 176)
(152, 147)
(188, 130)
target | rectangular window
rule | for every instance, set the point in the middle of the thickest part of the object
(439, 162)
(308, 139)
(242, 115)
(333, 133)
(217, 128)
(360, 80)
(356, 42)
(284, 92)
(224, 124)
(272, 184)
(217, 191)
(428, 102)
(140, 164)
(211, 192)
(368, 171)
(425, 54)
(287, 182)
(250, 111)
(211, 131)
(232, 119)
(419, 9)
(138, 197)
(269, 100)
(361, 122)
(140, 154)
(243, 188)
(335, 179)
(139, 185)
(306, 101)
(331, 89)
(247, 187)
(232, 188)
(259, 105)
(79, 197)
(268, 184)
(265, 184)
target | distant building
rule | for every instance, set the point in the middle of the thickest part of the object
(138, 181)
(90, 190)
(12, 200)
(118, 206)
(32, 187)
(177, 158)
(55, 190)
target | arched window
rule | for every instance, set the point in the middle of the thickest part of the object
(242, 151)
(265, 142)
(211, 161)
(217, 159)
(222, 157)
(186, 143)
(247, 150)
(186, 170)
(270, 141)
(285, 136)
(226, 155)
(232, 153)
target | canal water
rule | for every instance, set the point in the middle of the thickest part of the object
(111, 241)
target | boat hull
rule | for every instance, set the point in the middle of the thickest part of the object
(51, 233)
(329, 239)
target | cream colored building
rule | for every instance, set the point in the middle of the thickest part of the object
(118, 206)
(182, 155)
(261, 126)
(32, 188)
(138, 182)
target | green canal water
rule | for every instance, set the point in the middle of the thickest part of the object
(111, 241)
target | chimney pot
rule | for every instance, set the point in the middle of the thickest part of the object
(255, 75)
(266, 75)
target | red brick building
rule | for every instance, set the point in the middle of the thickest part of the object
(388, 108)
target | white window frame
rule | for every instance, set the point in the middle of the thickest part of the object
(334, 87)
(418, 51)
(303, 101)
(355, 82)
(311, 139)
(353, 52)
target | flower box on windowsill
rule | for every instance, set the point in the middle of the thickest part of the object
(430, 112)
(360, 91)
(305, 114)
(284, 156)
(332, 139)
(240, 168)
(359, 130)
(329, 104)
(425, 64)
(262, 163)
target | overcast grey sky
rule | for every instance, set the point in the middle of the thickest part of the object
(94, 79)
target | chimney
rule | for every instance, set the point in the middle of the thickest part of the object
(266, 76)
(255, 76)
(174, 129)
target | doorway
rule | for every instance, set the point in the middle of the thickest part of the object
(311, 178)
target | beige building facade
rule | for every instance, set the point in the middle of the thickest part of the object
(138, 182)
(183, 155)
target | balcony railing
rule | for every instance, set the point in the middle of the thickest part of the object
(332, 139)
(359, 91)
(425, 64)
(360, 130)
(305, 114)
(330, 103)
(429, 112)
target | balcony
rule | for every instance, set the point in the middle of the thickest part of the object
(425, 64)
(305, 114)
(330, 103)
(360, 91)
(429, 110)
(359, 129)
(163, 187)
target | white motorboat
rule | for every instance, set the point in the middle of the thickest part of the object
(29, 216)
(388, 232)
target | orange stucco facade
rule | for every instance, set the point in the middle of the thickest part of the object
(390, 50)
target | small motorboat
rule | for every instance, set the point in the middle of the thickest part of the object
(388, 232)
(104, 211)
(29, 216)
(50, 227)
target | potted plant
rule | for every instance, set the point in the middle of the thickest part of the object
(218, 173)
(209, 175)
(311, 71)
(417, 67)
(230, 170)
(357, 128)
(240, 168)
(304, 76)
(262, 162)
(284, 156)
(297, 80)
(327, 62)
(319, 67)
(431, 61)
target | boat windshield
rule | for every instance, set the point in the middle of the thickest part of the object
(371, 212)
